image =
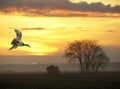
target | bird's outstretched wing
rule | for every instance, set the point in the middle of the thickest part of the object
(18, 34)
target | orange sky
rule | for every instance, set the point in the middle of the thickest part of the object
(49, 35)
(51, 30)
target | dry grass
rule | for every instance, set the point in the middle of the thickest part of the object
(103, 80)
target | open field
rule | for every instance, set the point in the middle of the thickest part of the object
(103, 80)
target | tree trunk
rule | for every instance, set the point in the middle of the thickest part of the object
(81, 65)
(97, 67)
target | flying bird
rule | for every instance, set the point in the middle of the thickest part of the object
(17, 41)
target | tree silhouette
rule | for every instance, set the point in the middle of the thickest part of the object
(88, 53)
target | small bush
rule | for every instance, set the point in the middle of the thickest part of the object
(52, 69)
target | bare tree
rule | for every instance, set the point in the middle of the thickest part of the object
(88, 53)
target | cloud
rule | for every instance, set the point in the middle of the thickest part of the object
(110, 31)
(56, 7)
(27, 28)
(32, 28)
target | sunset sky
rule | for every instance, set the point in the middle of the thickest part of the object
(49, 25)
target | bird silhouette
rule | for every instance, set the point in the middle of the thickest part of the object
(17, 41)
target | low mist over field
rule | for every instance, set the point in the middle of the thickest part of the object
(64, 67)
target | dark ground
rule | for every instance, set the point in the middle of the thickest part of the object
(103, 80)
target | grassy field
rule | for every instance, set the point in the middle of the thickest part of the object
(103, 80)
